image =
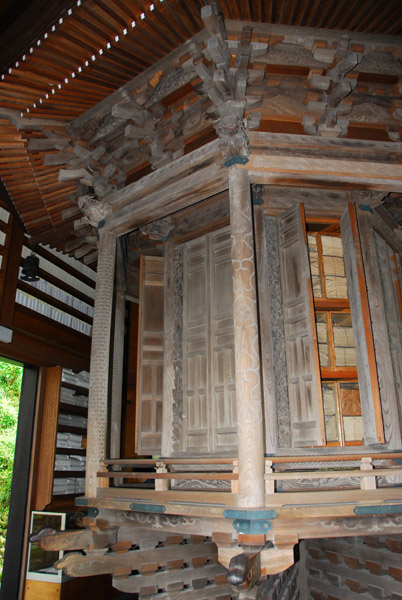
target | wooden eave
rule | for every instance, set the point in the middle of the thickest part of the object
(144, 56)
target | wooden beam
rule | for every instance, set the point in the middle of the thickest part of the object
(185, 182)
(308, 162)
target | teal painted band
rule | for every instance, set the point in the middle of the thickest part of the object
(258, 201)
(381, 509)
(153, 508)
(366, 207)
(235, 160)
(81, 502)
(250, 515)
(254, 527)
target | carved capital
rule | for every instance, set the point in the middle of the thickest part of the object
(95, 212)
(159, 230)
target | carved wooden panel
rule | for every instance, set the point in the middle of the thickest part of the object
(272, 335)
(150, 357)
(209, 403)
(301, 347)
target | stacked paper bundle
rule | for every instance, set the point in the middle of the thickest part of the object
(68, 440)
(72, 420)
(68, 485)
(81, 379)
(68, 397)
(69, 462)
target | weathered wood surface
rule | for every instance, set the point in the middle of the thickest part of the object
(100, 352)
(389, 249)
(379, 302)
(266, 285)
(305, 398)
(209, 407)
(192, 178)
(95, 564)
(214, 84)
(246, 343)
(362, 330)
(291, 34)
(361, 566)
(118, 355)
(174, 580)
(46, 438)
(297, 160)
(168, 352)
(150, 356)
(273, 560)
(330, 527)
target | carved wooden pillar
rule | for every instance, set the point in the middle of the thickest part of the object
(99, 370)
(247, 357)
(118, 356)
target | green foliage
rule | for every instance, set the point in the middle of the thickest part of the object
(10, 388)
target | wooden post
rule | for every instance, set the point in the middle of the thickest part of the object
(99, 369)
(367, 483)
(270, 483)
(161, 485)
(234, 488)
(246, 338)
(118, 357)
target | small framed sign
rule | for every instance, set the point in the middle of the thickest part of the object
(40, 561)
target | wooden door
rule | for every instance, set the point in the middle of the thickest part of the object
(209, 402)
(150, 356)
(305, 401)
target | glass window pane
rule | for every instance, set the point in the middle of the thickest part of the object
(322, 338)
(345, 354)
(351, 411)
(314, 266)
(334, 268)
(353, 429)
(329, 391)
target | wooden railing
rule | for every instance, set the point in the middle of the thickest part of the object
(164, 472)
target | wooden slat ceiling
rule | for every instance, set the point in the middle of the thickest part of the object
(96, 46)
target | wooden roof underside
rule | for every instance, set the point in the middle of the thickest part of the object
(53, 98)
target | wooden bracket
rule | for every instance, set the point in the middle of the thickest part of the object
(244, 570)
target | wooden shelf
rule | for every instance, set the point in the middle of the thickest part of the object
(47, 449)
(72, 409)
(70, 429)
(61, 474)
(78, 451)
(82, 391)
